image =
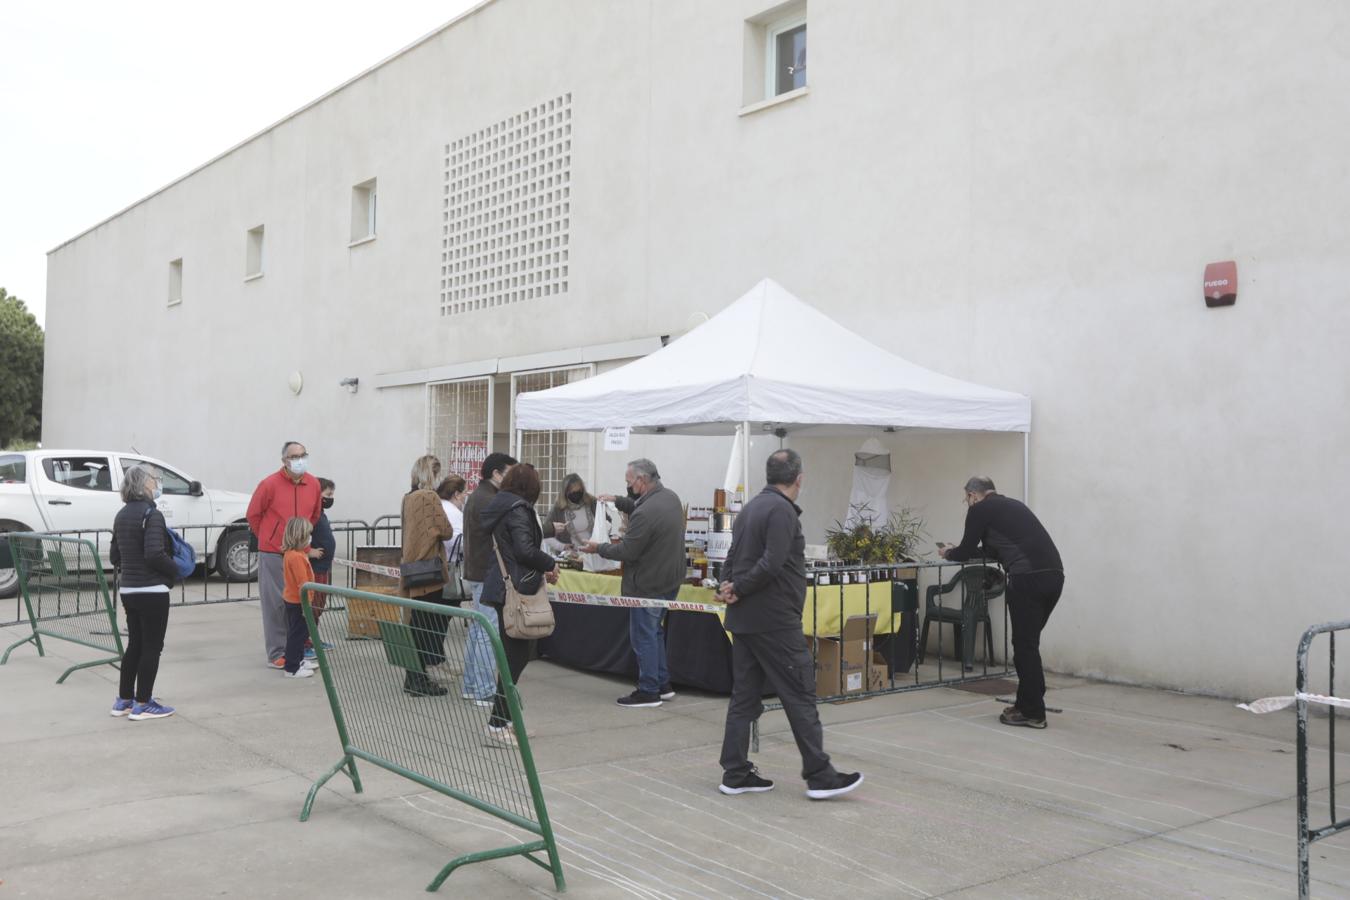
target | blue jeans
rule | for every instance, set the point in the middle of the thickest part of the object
(480, 664)
(649, 646)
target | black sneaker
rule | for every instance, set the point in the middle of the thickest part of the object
(639, 699)
(1016, 718)
(419, 685)
(839, 783)
(667, 692)
(749, 783)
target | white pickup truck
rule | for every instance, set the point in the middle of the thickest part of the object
(80, 490)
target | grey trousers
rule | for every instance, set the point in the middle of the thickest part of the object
(273, 605)
(782, 659)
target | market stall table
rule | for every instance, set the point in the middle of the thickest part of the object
(698, 649)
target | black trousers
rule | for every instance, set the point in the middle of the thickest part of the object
(518, 653)
(783, 659)
(1031, 599)
(147, 621)
(429, 631)
(296, 632)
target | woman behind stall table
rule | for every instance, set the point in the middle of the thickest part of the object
(572, 518)
(425, 529)
(516, 534)
(143, 555)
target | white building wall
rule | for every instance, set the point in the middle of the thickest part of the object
(1019, 194)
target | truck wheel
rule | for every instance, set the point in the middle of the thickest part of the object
(233, 561)
(9, 579)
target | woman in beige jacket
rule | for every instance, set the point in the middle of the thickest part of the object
(425, 529)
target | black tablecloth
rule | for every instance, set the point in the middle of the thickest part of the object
(595, 638)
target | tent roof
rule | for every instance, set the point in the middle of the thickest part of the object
(774, 361)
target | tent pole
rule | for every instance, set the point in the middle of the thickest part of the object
(1026, 467)
(745, 460)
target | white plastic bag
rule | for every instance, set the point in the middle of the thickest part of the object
(594, 562)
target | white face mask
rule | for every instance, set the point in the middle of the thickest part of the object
(298, 466)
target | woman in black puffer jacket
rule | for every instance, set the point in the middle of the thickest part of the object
(511, 518)
(142, 552)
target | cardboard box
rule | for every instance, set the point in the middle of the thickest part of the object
(364, 616)
(842, 663)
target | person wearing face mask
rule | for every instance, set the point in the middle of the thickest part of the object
(480, 663)
(322, 547)
(572, 518)
(142, 553)
(285, 494)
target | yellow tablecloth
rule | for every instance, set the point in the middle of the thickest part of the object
(824, 598)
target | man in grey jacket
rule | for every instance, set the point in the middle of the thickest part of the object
(765, 588)
(652, 553)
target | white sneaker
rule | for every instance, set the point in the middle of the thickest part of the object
(501, 736)
(309, 664)
(302, 672)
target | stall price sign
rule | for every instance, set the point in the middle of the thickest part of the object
(616, 437)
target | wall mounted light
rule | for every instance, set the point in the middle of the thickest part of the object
(350, 384)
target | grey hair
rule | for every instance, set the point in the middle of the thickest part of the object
(286, 446)
(135, 483)
(783, 467)
(645, 468)
(980, 484)
(426, 473)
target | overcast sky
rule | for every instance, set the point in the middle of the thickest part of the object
(102, 103)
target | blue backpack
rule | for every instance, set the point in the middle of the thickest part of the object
(184, 557)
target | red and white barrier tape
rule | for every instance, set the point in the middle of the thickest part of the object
(1271, 704)
(574, 597)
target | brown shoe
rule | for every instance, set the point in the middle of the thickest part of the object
(1013, 717)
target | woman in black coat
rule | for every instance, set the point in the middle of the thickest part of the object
(142, 552)
(511, 518)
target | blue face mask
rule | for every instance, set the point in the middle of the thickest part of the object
(159, 492)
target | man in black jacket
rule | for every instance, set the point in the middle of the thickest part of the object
(480, 665)
(1013, 535)
(765, 588)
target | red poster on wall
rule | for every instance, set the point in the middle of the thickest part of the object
(1221, 283)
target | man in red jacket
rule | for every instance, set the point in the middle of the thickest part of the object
(281, 496)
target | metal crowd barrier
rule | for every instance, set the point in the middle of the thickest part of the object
(232, 549)
(896, 662)
(63, 590)
(387, 667)
(1307, 835)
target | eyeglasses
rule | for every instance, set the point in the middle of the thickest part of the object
(295, 456)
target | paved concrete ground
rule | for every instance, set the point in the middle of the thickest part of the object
(1129, 793)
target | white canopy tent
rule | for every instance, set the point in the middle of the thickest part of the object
(771, 363)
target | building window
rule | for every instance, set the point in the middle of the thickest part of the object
(787, 50)
(253, 263)
(176, 282)
(363, 211)
(459, 425)
(554, 453)
(775, 53)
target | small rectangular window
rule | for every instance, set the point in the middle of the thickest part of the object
(175, 282)
(363, 211)
(775, 54)
(253, 263)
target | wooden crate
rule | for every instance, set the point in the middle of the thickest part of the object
(364, 616)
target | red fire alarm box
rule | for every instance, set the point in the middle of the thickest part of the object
(1221, 284)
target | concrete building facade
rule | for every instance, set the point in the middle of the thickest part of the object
(1023, 195)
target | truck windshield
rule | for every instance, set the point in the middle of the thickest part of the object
(13, 469)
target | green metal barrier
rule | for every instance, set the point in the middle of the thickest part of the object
(388, 667)
(61, 581)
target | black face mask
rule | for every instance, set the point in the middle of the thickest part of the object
(632, 494)
(327, 502)
(576, 496)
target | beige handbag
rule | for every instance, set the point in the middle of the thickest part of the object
(525, 617)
